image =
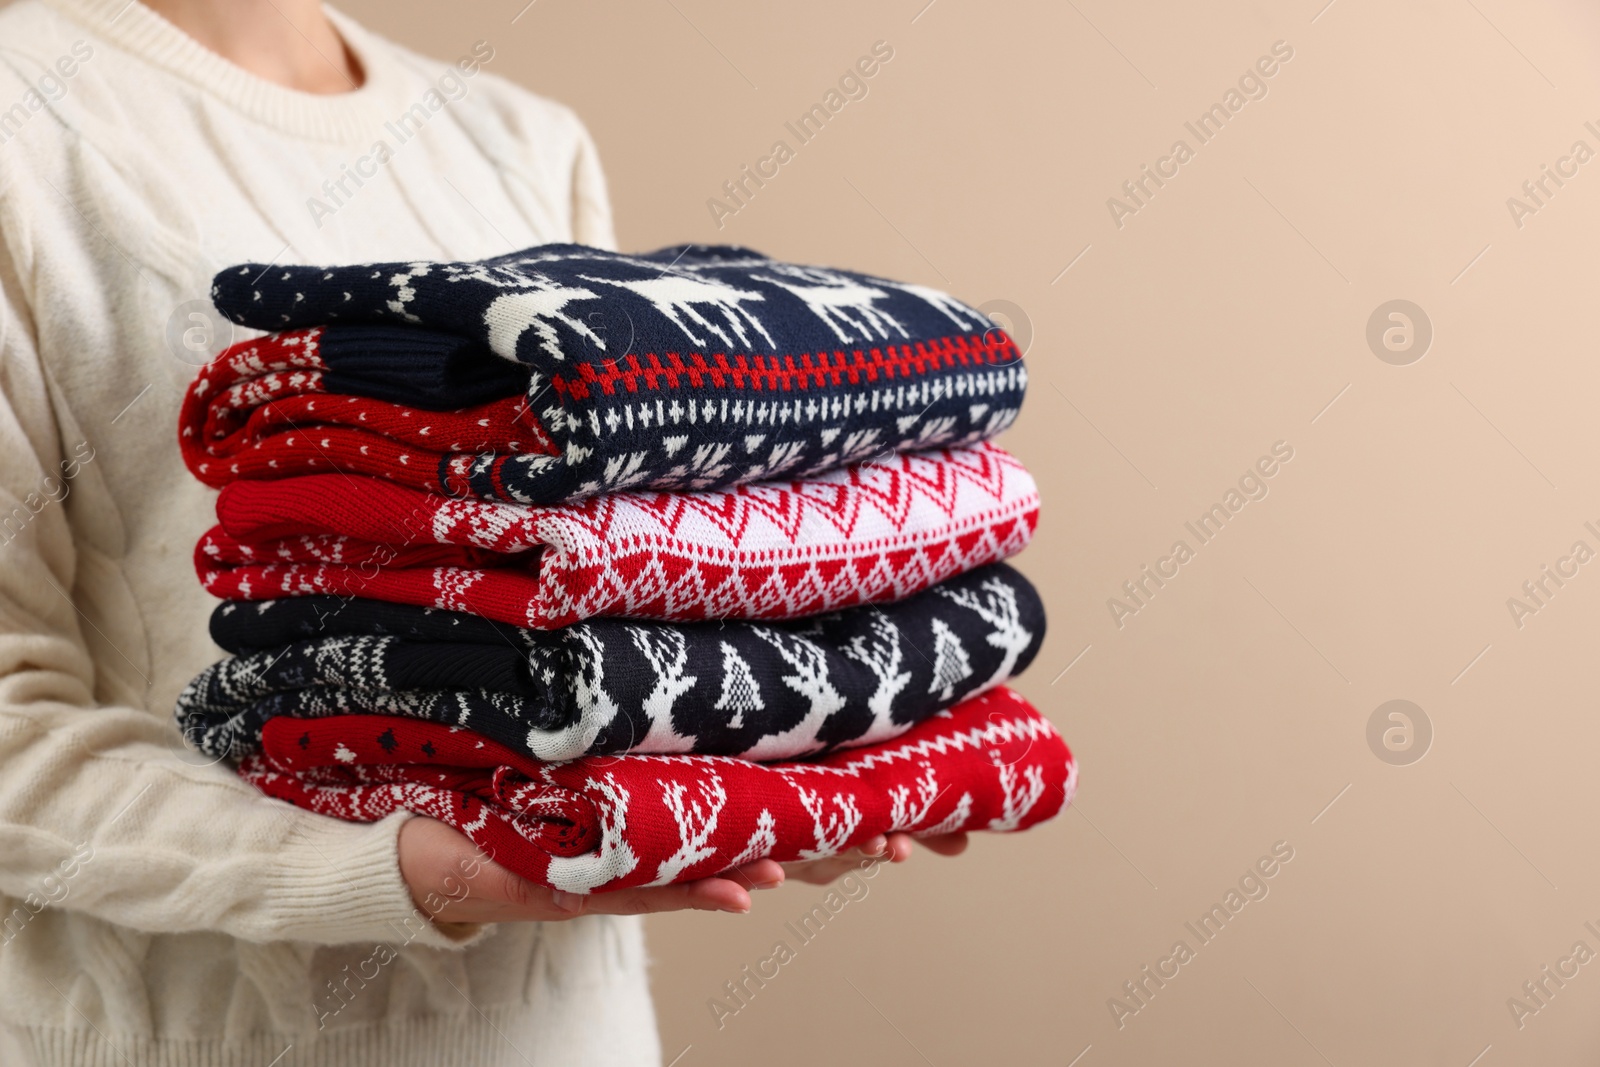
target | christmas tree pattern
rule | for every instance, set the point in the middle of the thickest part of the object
(740, 693)
(950, 664)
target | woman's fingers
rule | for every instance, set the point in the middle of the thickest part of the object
(707, 894)
(895, 848)
(945, 844)
(821, 872)
(762, 874)
(898, 848)
(501, 896)
(453, 882)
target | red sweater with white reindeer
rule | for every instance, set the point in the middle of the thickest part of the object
(604, 823)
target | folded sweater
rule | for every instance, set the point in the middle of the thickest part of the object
(874, 532)
(244, 626)
(612, 822)
(414, 406)
(689, 368)
(605, 687)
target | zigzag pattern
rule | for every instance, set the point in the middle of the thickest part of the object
(878, 531)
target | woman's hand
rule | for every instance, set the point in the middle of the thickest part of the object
(896, 848)
(451, 881)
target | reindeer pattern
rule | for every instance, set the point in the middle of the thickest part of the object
(781, 691)
(612, 686)
(641, 363)
(992, 763)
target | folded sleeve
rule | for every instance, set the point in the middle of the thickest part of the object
(103, 799)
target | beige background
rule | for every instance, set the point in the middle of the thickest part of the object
(1226, 315)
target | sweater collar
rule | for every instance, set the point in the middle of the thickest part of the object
(350, 116)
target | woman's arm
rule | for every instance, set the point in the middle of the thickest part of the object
(100, 800)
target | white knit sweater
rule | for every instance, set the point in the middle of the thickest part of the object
(153, 909)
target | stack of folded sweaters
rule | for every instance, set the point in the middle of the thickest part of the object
(632, 568)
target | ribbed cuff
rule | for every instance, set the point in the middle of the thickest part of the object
(339, 883)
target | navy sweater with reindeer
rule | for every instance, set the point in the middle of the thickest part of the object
(690, 368)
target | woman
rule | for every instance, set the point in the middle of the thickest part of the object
(153, 909)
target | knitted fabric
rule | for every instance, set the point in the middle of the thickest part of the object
(690, 368)
(242, 626)
(273, 407)
(607, 686)
(611, 822)
(870, 533)
(410, 366)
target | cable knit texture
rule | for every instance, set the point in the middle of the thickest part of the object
(154, 909)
